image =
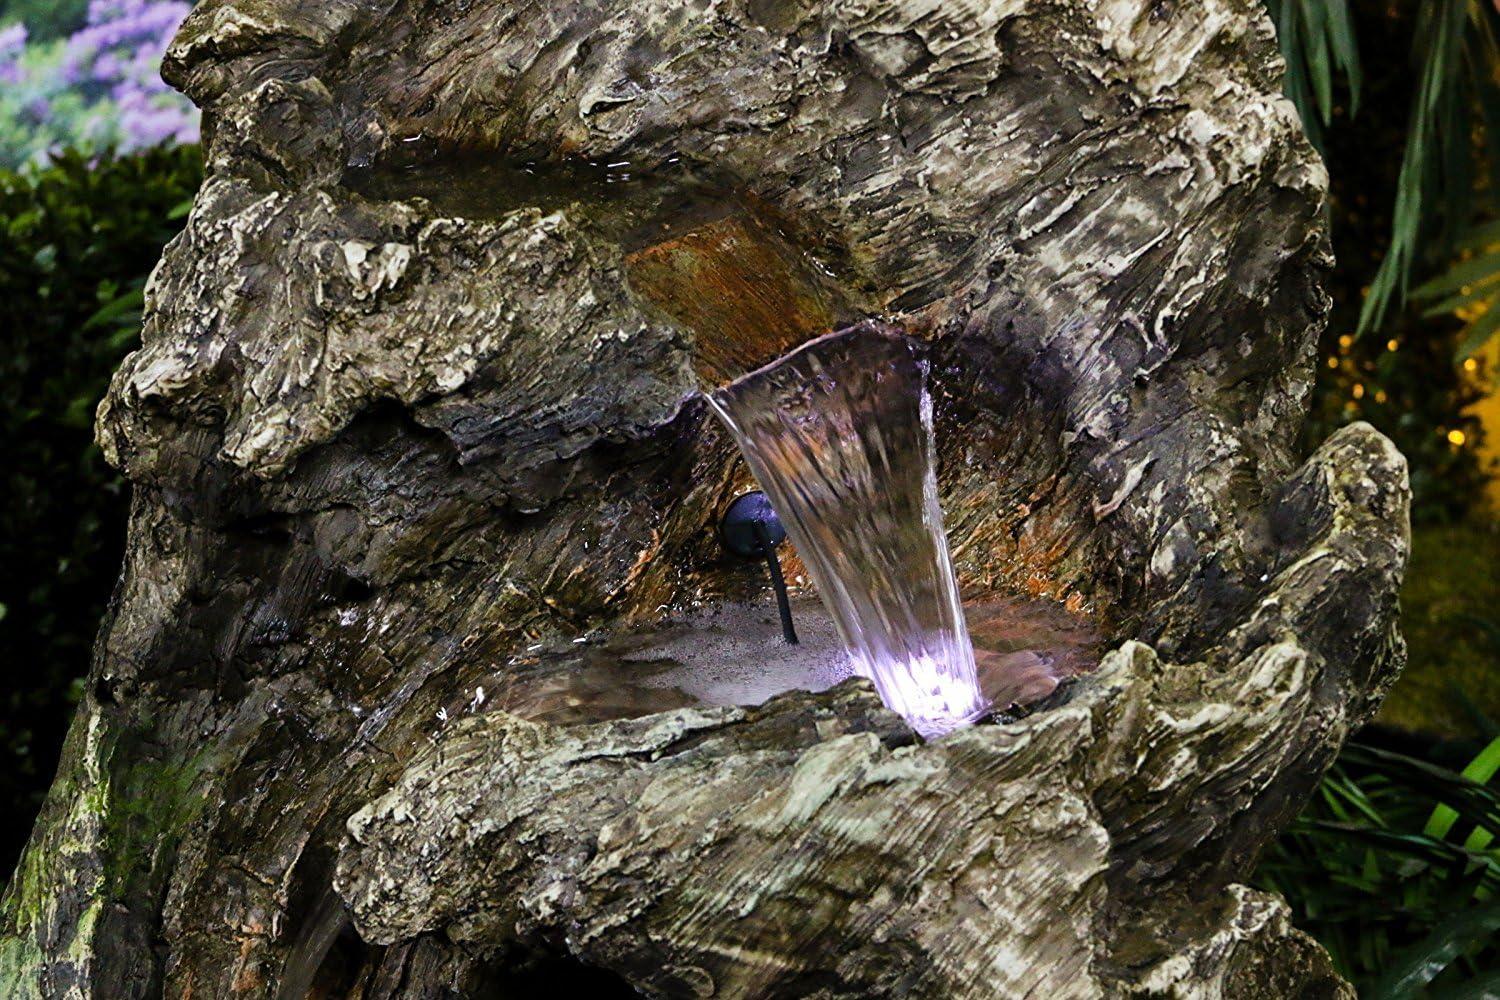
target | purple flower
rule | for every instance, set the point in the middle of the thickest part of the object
(107, 65)
(109, 71)
(121, 37)
(12, 41)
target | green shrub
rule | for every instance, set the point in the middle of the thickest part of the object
(1401, 377)
(1394, 868)
(1450, 614)
(46, 19)
(77, 240)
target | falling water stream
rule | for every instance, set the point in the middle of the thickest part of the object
(839, 435)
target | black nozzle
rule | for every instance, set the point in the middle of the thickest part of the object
(751, 530)
(746, 521)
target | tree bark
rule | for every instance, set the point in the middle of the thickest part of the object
(418, 391)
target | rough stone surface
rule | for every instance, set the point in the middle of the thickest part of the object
(400, 411)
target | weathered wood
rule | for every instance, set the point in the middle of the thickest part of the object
(400, 412)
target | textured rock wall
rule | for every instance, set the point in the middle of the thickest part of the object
(401, 410)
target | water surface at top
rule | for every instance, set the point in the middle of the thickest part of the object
(615, 197)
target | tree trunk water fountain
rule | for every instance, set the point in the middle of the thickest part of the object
(419, 457)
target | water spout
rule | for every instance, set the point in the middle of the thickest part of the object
(839, 435)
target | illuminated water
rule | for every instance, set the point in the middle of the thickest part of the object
(839, 435)
(733, 654)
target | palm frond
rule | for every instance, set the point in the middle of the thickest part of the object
(1317, 41)
(1470, 288)
(1434, 165)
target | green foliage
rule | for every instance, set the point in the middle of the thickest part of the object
(1451, 134)
(1402, 380)
(1434, 191)
(1393, 867)
(1435, 200)
(78, 240)
(40, 112)
(1317, 38)
(1470, 289)
(45, 19)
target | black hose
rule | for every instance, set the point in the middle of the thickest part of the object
(778, 583)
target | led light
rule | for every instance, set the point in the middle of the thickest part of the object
(930, 692)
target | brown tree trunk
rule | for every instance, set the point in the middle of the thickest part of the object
(418, 393)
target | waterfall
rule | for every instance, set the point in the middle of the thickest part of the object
(839, 435)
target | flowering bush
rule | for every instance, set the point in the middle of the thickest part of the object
(98, 88)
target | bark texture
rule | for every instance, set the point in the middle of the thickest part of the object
(418, 390)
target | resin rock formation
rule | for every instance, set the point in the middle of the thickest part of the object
(417, 390)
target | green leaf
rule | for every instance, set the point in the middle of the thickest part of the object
(130, 302)
(1345, 48)
(1478, 333)
(1485, 987)
(1475, 271)
(1434, 164)
(1479, 771)
(1316, 38)
(1475, 802)
(1415, 967)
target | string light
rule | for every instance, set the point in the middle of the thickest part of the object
(1456, 438)
(1391, 345)
(1359, 390)
(1380, 396)
(1333, 362)
(1470, 365)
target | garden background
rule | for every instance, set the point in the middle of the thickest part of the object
(1394, 865)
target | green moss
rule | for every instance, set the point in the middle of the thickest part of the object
(72, 801)
(20, 962)
(132, 818)
(151, 805)
(1451, 617)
